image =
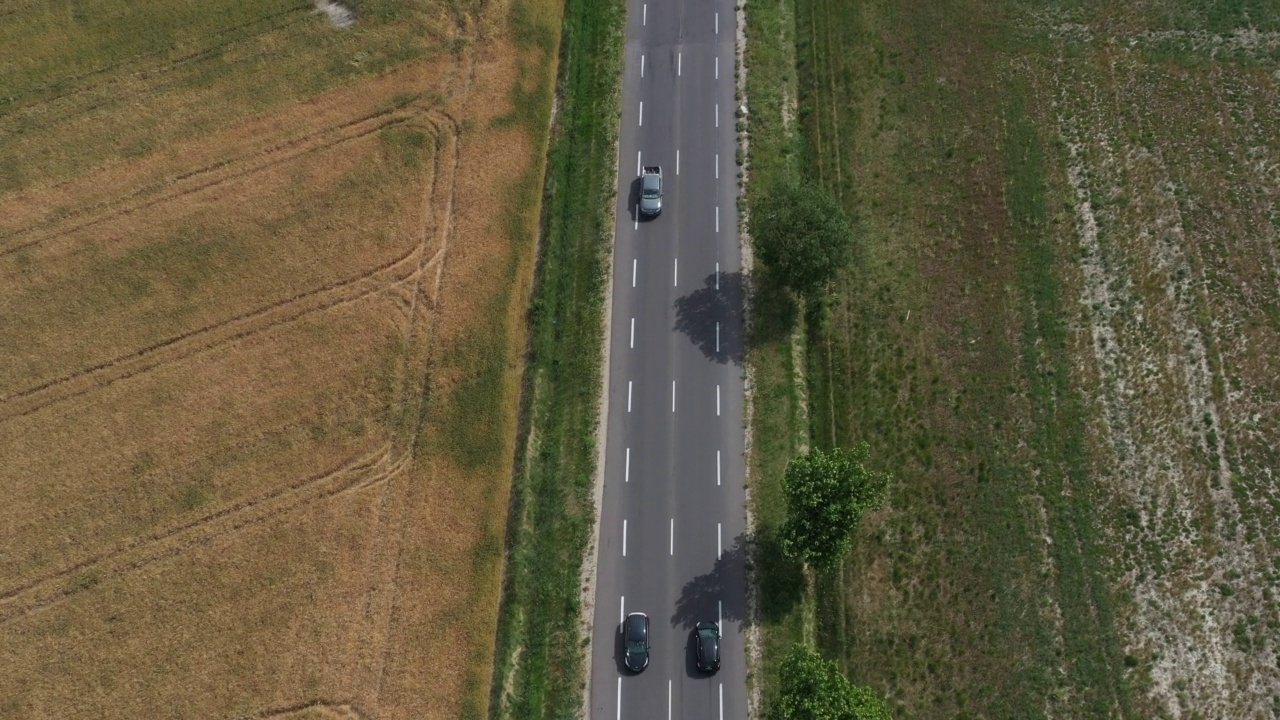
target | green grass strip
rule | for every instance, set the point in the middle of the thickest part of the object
(539, 656)
(1092, 649)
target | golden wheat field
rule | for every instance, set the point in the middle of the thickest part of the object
(261, 288)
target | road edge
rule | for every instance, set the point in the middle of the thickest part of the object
(752, 630)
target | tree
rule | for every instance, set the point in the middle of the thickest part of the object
(826, 493)
(812, 688)
(801, 234)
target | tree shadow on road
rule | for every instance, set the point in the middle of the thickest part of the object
(781, 583)
(702, 597)
(699, 312)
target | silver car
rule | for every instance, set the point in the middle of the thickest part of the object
(651, 191)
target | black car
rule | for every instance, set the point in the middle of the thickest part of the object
(708, 647)
(635, 640)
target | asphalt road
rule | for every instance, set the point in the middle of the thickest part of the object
(673, 511)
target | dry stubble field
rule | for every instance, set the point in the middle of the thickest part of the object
(262, 289)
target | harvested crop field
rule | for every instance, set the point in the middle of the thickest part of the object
(262, 289)
(1060, 335)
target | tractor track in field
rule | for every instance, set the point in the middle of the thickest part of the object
(386, 277)
(313, 710)
(211, 337)
(50, 588)
(355, 475)
(382, 485)
(206, 178)
(382, 607)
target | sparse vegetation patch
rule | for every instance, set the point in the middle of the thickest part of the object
(1052, 334)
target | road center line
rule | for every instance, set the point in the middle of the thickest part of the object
(620, 699)
(719, 548)
(717, 166)
(717, 66)
(668, 700)
(717, 401)
(628, 396)
(679, 63)
(624, 538)
(673, 396)
(717, 218)
(622, 608)
(634, 262)
(717, 276)
(673, 536)
(717, 23)
(717, 464)
(641, 123)
(638, 162)
(721, 699)
(677, 162)
(633, 334)
(675, 273)
(717, 112)
(719, 613)
(626, 468)
(644, 14)
(642, 65)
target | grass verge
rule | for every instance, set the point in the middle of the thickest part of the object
(777, 426)
(539, 656)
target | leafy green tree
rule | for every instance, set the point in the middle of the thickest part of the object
(812, 688)
(801, 234)
(826, 493)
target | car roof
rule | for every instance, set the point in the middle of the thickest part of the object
(708, 643)
(637, 626)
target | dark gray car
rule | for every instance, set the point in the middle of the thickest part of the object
(635, 639)
(708, 648)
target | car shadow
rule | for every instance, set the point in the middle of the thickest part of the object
(711, 317)
(691, 655)
(620, 652)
